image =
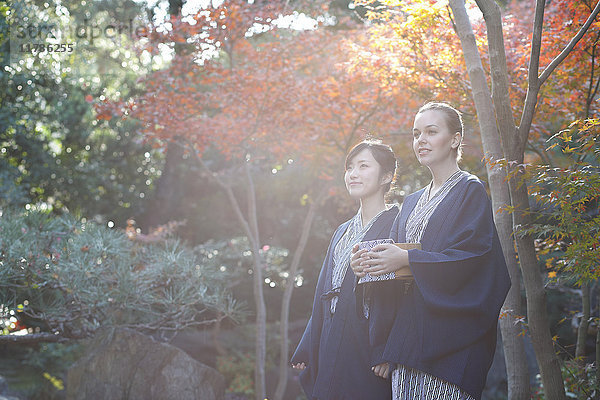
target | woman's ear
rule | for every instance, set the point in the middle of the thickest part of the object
(387, 178)
(456, 141)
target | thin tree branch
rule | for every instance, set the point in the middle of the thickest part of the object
(225, 187)
(535, 82)
(536, 44)
(533, 86)
(541, 154)
(588, 97)
(287, 294)
(34, 338)
(252, 204)
(563, 54)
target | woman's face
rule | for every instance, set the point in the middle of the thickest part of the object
(363, 176)
(433, 143)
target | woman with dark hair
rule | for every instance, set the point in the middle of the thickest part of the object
(439, 334)
(334, 354)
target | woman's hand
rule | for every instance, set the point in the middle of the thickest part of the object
(356, 261)
(386, 258)
(381, 370)
(299, 366)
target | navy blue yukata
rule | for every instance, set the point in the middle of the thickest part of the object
(444, 323)
(335, 347)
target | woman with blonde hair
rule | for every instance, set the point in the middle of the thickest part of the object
(439, 336)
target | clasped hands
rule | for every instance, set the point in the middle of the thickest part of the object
(382, 259)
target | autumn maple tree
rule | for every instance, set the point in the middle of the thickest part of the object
(572, 89)
(416, 43)
(530, 73)
(240, 104)
(258, 95)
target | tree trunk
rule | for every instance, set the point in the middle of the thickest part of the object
(250, 226)
(514, 145)
(583, 325)
(284, 356)
(598, 341)
(259, 297)
(261, 328)
(165, 204)
(514, 351)
(537, 314)
(167, 196)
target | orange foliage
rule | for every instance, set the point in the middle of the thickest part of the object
(414, 46)
(315, 93)
(415, 42)
(270, 91)
(417, 45)
(572, 87)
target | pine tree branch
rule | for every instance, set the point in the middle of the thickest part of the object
(35, 338)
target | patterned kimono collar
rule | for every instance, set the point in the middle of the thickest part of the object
(343, 249)
(419, 217)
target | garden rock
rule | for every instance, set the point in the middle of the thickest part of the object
(124, 364)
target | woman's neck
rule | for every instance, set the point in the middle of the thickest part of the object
(440, 173)
(370, 207)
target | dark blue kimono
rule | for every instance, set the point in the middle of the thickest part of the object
(335, 347)
(445, 322)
